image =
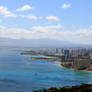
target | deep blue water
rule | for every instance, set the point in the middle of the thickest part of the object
(21, 74)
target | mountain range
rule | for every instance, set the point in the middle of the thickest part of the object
(37, 43)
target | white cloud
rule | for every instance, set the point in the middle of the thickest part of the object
(31, 17)
(25, 8)
(52, 18)
(66, 6)
(44, 28)
(2, 27)
(11, 15)
(4, 11)
(53, 31)
(90, 27)
(23, 16)
(34, 33)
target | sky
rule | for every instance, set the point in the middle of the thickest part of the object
(67, 20)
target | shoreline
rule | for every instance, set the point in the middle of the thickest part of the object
(88, 70)
(85, 70)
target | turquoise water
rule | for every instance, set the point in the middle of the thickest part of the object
(21, 74)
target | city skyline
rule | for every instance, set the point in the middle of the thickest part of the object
(68, 20)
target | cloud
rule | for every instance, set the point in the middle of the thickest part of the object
(66, 6)
(4, 11)
(51, 31)
(50, 27)
(34, 33)
(90, 27)
(25, 8)
(31, 17)
(52, 18)
(23, 16)
(2, 27)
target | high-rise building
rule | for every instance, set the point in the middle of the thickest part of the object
(66, 53)
(56, 50)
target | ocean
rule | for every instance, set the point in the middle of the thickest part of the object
(19, 73)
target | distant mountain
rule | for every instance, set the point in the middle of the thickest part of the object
(36, 43)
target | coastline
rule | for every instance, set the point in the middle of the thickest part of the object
(85, 70)
(88, 70)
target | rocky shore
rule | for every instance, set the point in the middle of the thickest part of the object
(81, 88)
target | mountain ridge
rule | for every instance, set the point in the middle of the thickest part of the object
(37, 43)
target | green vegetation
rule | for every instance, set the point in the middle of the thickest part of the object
(81, 88)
